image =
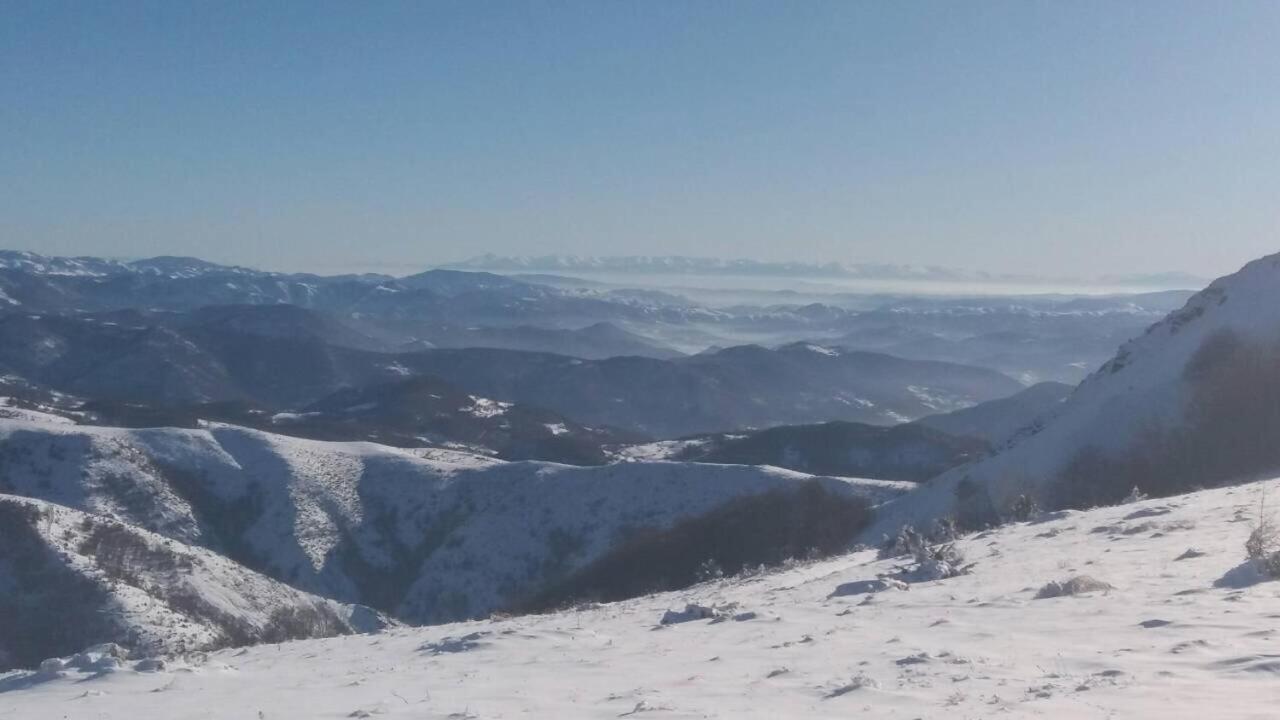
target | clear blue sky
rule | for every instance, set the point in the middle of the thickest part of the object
(1051, 137)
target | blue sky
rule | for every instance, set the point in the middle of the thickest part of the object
(1054, 137)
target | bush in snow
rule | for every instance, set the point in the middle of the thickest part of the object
(937, 562)
(709, 570)
(908, 542)
(935, 558)
(1263, 545)
(1021, 509)
(1135, 495)
(1077, 585)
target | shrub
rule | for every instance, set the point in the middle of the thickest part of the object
(1022, 508)
(937, 562)
(1263, 544)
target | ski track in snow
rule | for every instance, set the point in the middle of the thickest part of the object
(1173, 639)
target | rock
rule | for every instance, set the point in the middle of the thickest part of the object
(694, 611)
(1077, 585)
(862, 587)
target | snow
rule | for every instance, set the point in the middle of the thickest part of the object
(830, 352)
(1170, 640)
(660, 450)
(10, 411)
(485, 408)
(937, 399)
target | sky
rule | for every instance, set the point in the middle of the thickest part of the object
(1081, 138)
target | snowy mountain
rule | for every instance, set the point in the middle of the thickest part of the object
(683, 265)
(1171, 629)
(167, 266)
(427, 535)
(1193, 402)
(72, 580)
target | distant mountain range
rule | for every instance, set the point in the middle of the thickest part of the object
(1032, 338)
(282, 358)
(681, 265)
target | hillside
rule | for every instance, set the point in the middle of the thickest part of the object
(910, 451)
(739, 387)
(1194, 402)
(425, 535)
(74, 580)
(1180, 635)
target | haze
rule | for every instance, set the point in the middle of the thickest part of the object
(1042, 138)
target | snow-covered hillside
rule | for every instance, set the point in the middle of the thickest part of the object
(73, 580)
(1193, 402)
(1185, 632)
(426, 535)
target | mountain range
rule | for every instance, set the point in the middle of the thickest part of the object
(294, 474)
(677, 265)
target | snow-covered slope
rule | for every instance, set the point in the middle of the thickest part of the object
(1182, 635)
(1195, 401)
(69, 580)
(426, 535)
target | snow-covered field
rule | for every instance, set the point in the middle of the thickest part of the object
(1181, 635)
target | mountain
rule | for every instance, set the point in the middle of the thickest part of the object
(70, 580)
(284, 358)
(910, 452)
(681, 265)
(740, 387)
(594, 342)
(1194, 402)
(425, 410)
(275, 322)
(1033, 338)
(1176, 635)
(1029, 337)
(424, 536)
(998, 421)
